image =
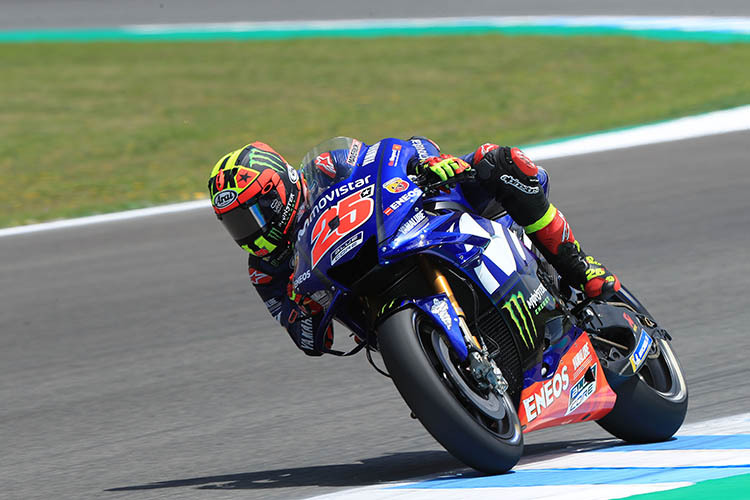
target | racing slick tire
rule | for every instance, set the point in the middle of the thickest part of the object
(409, 342)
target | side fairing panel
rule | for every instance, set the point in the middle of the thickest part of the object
(503, 258)
(577, 391)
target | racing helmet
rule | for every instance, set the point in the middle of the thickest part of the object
(255, 194)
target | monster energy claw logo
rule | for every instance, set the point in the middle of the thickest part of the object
(521, 316)
(259, 158)
(275, 233)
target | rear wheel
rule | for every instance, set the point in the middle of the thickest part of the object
(651, 405)
(479, 427)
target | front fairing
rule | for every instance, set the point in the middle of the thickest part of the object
(368, 195)
(338, 211)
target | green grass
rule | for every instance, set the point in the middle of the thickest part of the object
(92, 128)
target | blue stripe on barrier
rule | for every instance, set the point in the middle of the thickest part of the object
(736, 442)
(558, 477)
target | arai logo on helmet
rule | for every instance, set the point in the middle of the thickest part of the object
(224, 198)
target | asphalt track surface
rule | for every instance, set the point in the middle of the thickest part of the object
(138, 363)
(26, 14)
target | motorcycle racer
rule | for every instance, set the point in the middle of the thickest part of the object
(260, 198)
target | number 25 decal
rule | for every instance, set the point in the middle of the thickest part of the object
(351, 212)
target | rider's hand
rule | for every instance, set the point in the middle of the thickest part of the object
(308, 306)
(441, 168)
(310, 313)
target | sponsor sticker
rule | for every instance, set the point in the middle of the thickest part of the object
(641, 350)
(340, 190)
(274, 307)
(403, 199)
(301, 279)
(548, 393)
(414, 221)
(582, 389)
(293, 174)
(581, 356)
(421, 150)
(288, 209)
(395, 153)
(537, 298)
(346, 247)
(324, 162)
(396, 185)
(440, 309)
(521, 315)
(512, 181)
(258, 278)
(307, 340)
(541, 306)
(224, 198)
(372, 152)
(354, 150)
(339, 220)
(276, 205)
(630, 322)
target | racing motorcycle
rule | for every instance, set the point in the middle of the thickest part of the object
(478, 334)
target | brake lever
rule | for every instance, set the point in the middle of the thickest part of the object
(433, 187)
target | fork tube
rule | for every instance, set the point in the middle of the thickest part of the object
(441, 285)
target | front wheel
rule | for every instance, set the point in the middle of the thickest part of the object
(651, 405)
(479, 427)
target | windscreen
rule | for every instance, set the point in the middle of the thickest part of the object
(319, 168)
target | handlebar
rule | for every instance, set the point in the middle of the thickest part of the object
(432, 187)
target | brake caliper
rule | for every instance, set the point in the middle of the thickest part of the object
(486, 373)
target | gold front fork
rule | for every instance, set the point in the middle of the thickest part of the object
(441, 285)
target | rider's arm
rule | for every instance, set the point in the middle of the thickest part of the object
(483, 172)
(299, 320)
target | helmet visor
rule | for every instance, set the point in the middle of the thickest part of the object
(244, 221)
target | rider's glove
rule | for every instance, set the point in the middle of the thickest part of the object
(441, 168)
(308, 306)
(600, 282)
(306, 321)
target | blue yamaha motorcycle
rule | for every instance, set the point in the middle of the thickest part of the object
(474, 328)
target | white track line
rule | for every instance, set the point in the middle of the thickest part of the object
(98, 219)
(731, 25)
(718, 122)
(735, 424)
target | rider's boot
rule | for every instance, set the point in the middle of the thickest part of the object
(553, 237)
